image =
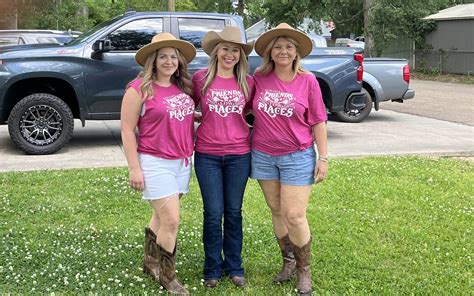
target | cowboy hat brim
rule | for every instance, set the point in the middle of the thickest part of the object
(305, 45)
(187, 49)
(211, 39)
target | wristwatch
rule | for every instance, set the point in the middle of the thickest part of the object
(322, 158)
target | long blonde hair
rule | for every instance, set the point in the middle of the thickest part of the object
(240, 71)
(180, 77)
(268, 65)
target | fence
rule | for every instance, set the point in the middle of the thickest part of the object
(445, 61)
(435, 60)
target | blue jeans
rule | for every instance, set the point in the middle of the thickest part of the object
(222, 180)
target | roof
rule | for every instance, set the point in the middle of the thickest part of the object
(458, 12)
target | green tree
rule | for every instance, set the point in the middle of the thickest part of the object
(61, 15)
(390, 19)
(384, 20)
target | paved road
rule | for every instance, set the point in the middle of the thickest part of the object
(446, 101)
(384, 132)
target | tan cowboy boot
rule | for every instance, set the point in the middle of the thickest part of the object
(303, 271)
(289, 264)
(151, 260)
(168, 272)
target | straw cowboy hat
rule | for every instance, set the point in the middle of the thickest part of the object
(228, 34)
(165, 40)
(284, 30)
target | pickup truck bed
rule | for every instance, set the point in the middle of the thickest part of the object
(385, 79)
(385, 76)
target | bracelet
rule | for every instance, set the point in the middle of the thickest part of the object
(325, 159)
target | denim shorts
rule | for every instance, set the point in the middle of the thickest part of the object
(164, 177)
(295, 168)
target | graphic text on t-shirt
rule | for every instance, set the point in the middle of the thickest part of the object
(275, 103)
(179, 106)
(225, 102)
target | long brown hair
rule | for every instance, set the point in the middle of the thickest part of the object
(180, 77)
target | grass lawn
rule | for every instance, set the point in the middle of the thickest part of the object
(386, 225)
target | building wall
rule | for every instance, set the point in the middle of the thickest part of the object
(452, 52)
(453, 34)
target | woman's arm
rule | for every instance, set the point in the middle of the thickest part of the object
(129, 115)
(321, 140)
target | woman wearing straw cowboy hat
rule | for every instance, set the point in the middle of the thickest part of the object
(158, 104)
(289, 116)
(222, 151)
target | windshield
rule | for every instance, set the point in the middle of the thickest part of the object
(86, 34)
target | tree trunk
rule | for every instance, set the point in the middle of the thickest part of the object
(8, 15)
(369, 40)
(171, 5)
(8, 22)
(240, 8)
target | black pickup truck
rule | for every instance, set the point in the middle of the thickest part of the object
(43, 88)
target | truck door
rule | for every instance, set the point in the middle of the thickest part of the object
(107, 77)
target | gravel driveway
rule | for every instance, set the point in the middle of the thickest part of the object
(439, 100)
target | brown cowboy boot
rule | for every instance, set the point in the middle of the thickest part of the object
(168, 272)
(303, 271)
(289, 264)
(151, 260)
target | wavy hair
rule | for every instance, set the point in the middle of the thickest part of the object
(240, 71)
(180, 77)
(268, 65)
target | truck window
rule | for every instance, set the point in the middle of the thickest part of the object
(135, 34)
(193, 29)
(4, 41)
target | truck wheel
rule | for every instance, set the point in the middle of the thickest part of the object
(40, 124)
(356, 115)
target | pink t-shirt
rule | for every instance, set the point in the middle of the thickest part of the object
(223, 129)
(166, 124)
(284, 113)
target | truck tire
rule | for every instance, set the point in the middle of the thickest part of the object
(356, 115)
(40, 124)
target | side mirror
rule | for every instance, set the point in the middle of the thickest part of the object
(102, 45)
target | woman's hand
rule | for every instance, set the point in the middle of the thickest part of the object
(321, 170)
(135, 179)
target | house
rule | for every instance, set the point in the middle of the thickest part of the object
(452, 40)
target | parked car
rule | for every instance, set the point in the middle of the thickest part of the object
(346, 42)
(19, 37)
(43, 88)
